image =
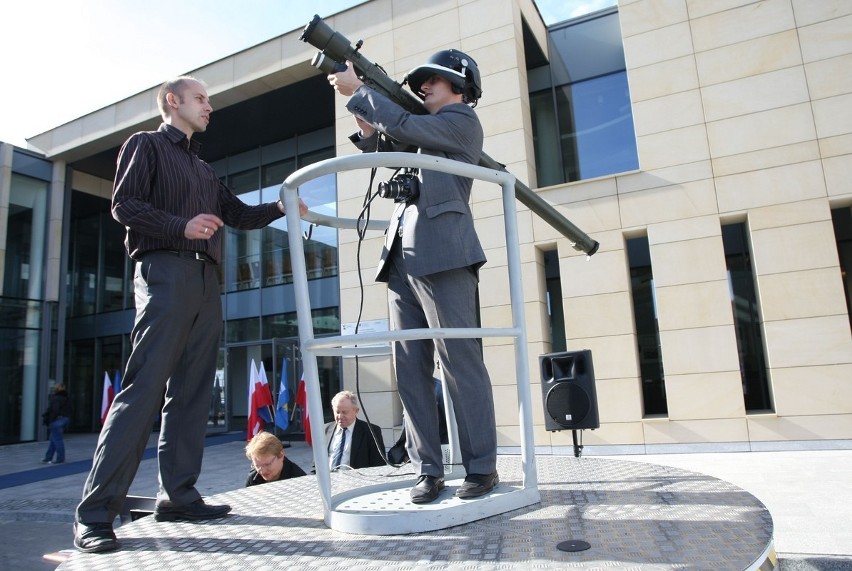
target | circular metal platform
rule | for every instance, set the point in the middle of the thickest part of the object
(634, 516)
(386, 509)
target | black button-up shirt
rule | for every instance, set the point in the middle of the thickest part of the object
(160, 184)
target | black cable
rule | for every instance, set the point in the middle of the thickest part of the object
(362, 221)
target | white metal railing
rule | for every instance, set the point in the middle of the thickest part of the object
(397, 521)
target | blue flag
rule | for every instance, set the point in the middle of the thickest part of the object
(116, 385)
(282, 411)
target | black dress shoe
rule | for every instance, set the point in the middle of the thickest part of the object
(426, 489)
(476, 485)
(94, 537)
(197, 510)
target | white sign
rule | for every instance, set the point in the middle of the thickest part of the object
(371, 326)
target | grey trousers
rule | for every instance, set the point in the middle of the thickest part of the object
(170, 371)
(444, 299)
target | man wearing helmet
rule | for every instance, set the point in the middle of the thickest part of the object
(430, 261)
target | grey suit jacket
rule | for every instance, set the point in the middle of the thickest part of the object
(438, 232)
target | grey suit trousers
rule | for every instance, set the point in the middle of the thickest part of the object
(175, 344)
(443, 299)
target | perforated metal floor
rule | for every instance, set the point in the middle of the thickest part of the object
(635, 516)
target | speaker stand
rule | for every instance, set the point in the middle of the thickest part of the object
(574, 545)
(578, 448)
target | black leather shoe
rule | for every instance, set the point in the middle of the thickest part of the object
(94, 537)
(476, 485)
(426, 489)
(197, 510)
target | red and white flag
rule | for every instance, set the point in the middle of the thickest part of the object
(107, 398)
(260, 401)
(302, 402)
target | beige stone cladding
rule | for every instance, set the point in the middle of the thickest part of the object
(742, 114)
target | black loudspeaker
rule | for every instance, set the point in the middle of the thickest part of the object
(568, 391)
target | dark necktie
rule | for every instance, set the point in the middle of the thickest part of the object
(338, 453)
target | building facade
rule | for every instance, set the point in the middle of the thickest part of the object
(706, 146)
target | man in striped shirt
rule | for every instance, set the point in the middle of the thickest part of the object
(174, 208)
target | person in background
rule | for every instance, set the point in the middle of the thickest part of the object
(57, 417)
(174, 208)
(351, 441)
(268, 462)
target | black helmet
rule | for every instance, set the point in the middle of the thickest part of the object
(456, 67)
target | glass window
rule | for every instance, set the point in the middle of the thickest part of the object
(112, 356)
(596, 128)
(19, 361)
(83, 265)
(25, 233)
(546, 139)
(580, 103)
(261, 258)
(746, 318)
(276, 267)
(320, 195)
(586, 47)
(647, 328)
(242, 262)
(84, 385)
(326, 322)
(842, 219)
(553, 281)
(276, 173)
(282, 325)
(100, 274)
(241, 250)
(312, 157)
(117, 279)
(239, 330)
(86, 363)
(245, 181)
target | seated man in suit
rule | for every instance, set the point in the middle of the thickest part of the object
(268, 463)
(349, 440)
